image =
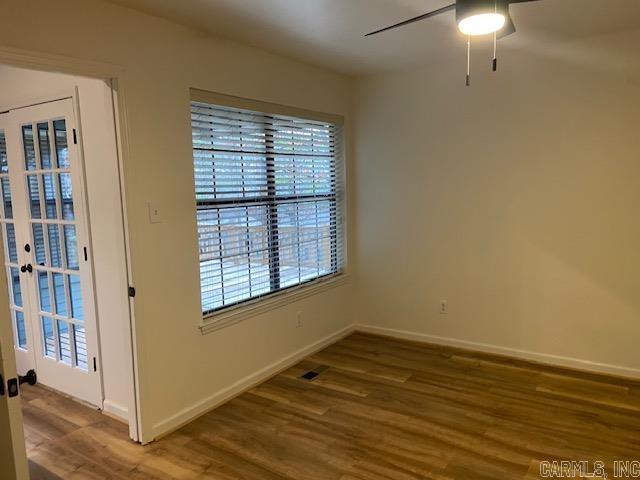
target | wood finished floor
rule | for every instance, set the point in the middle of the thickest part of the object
(384, 409)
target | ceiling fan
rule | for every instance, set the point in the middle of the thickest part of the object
(474, 17)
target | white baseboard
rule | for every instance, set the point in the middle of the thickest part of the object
(547, 359)
(114, 410)
(203, 406)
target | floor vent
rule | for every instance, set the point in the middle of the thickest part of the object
(313, 374)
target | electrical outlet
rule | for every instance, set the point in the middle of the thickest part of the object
(444, 307)
(299, 319)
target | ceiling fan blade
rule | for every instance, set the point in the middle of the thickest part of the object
(415, 19)
(508, 28)
(521, 1)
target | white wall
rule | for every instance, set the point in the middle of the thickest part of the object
(516, 200)
(180, 369)
(19, 87)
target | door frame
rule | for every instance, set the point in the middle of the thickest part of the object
(110, 73)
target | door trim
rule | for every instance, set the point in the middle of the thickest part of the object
(113, 73)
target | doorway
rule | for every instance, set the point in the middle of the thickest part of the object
(47, 250)
(67, 276)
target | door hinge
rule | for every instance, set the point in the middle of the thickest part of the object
(75, 137)
(132, 292)
(95, 365)
(86, 257)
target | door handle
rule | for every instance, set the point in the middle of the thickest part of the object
(26, 268)
(30, 378)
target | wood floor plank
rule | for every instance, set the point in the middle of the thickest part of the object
(380, 409)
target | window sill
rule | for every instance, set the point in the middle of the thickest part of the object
(218, 321)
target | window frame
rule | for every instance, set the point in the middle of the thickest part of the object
(229, 314)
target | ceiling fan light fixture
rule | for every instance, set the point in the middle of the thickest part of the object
(482, 23)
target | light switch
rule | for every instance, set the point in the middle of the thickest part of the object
(155, 215)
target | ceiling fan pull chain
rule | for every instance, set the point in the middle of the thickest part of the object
(495, 41)
(468, 60)
(495, 52)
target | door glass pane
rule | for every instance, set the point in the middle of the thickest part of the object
(43, 292)
(21, 329)
(71, 247)
(60, 294)
(66, 192)
(4, 164)
(29, 148)
(34, 195)
(48, 337)
(64, 342)
(54, 246)
(50, 196)
(75, 294)
(10, 236)
(62, 151)
(38, 241)
(15, 287)
(6, 198)
(43, 142)
(81, 347)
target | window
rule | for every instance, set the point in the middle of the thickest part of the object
(269, 202)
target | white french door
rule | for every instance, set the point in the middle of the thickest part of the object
(45, 232)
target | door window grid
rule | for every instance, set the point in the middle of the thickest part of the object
(53, 231)
(269, 198)
(11, 250)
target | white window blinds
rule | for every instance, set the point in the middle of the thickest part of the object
(269, 202)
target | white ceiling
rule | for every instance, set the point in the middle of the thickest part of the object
(330, 33)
